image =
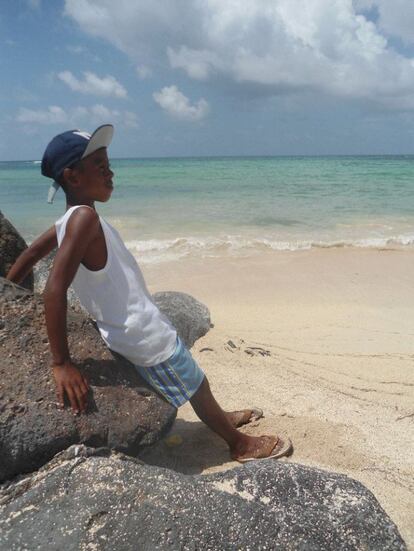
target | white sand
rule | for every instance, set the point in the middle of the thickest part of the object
(324, 343)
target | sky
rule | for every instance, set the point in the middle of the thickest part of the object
(209, 77)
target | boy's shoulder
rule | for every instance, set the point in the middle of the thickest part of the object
(82, 212)
(82, 222)
(82, 229)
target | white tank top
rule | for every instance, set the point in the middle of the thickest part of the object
(117, 298)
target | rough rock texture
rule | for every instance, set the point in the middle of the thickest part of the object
(123, 413)
(189, 316)
(80, 502)
(41, 271)
(11, 246)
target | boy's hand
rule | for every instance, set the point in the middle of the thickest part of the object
(70, 380)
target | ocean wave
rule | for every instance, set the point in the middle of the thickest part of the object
(162, 250)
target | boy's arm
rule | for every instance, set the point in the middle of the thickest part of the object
(81, 229)
(30, 256)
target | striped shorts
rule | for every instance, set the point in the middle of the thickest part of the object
(177, 378)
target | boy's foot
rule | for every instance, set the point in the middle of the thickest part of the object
(244, 416)
(252, 448)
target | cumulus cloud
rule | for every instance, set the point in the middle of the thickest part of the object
(198, 64)
(395, 18)
(329, 46)
(92, 84)
(96, 114)
(178, 105)
(53, 115)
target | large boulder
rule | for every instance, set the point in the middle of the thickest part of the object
(190, 317)
(11, 246)
(92, 499)
(123, 412)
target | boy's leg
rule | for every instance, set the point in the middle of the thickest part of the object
(241, 445)
(180, 379)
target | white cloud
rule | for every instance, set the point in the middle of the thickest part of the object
(178, 105)
(96, 114)
(395, 18)
(198, 64)
(53, 115)
(92, 84)
(278, 46)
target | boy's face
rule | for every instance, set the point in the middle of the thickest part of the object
(94, 177)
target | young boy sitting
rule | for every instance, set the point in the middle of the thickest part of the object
(92, 257)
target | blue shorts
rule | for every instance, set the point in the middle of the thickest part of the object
(177, 378)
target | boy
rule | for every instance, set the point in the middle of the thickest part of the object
(92, 257)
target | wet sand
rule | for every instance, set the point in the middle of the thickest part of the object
(323, 341)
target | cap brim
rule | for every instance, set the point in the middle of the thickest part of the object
(102, 137)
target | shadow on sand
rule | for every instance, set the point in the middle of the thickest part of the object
(190, 448)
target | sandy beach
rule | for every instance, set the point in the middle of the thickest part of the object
(322, 340)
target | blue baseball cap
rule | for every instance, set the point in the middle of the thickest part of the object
(68, 148)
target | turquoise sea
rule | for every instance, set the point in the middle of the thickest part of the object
(174, 207)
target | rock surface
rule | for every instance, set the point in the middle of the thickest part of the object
(89, 499)
(190, 317)
(123, 412)
(11, 246)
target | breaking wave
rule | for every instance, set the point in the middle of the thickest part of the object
(163, 250)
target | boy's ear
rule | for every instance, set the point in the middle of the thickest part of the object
(70, 176)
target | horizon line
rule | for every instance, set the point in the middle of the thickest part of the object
(284, 155)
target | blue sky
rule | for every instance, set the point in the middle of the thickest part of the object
(209, 77)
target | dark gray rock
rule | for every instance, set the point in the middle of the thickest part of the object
(123, 412)
(189, 316)
(11, 246)
(89, 499)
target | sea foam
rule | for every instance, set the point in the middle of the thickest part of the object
(162, 250)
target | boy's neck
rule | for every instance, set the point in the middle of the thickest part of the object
(74, 203)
